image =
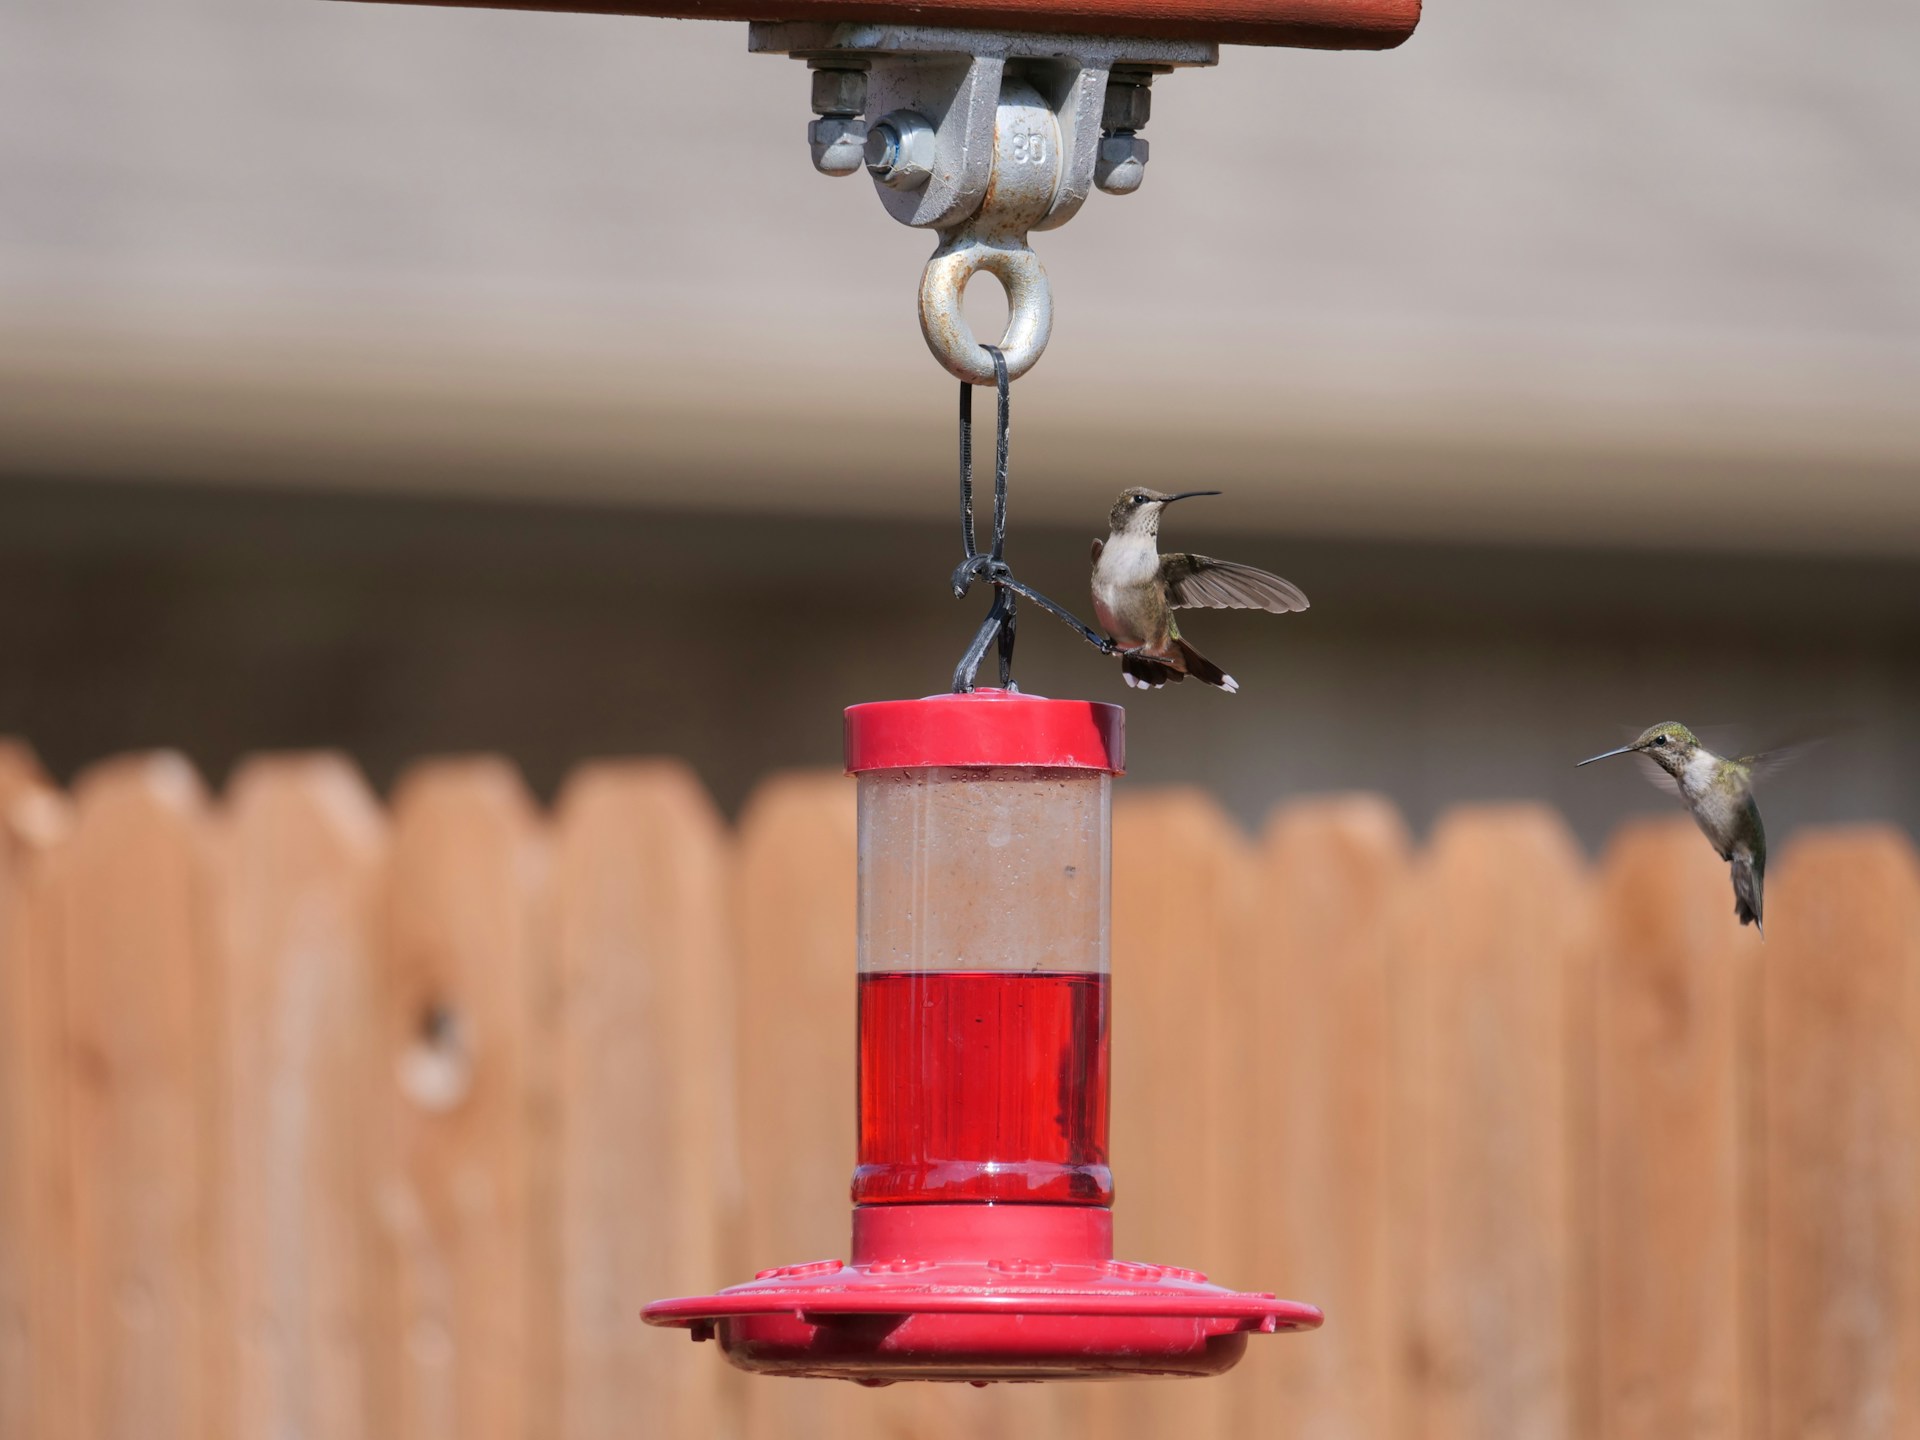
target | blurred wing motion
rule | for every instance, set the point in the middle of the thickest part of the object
(1200, 581)
(1772, 761)
(1656, 777)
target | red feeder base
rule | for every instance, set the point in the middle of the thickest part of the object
(981, 1293)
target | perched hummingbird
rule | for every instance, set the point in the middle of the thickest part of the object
(1136, 589)
(1720, 795)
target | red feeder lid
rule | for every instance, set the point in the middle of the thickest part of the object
(986, 727)
(981, 1293)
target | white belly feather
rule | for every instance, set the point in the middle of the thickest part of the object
(1128, 561)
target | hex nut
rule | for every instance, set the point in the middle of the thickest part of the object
(1121, 164)
(838, 143)
(900, 150)
(1128, 105)
(839, 92)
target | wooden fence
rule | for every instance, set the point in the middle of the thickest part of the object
(322, 1120)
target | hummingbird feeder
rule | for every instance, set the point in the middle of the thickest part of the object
(982, 1216)
(982, 1221)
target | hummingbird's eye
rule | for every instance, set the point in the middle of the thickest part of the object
(1659, 739)
(1139, 499)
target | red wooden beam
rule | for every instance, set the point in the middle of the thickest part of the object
(1314, 24)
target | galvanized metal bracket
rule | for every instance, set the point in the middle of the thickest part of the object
(982, 136)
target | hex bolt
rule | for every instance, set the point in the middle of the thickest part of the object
(1129, 101)
(839, 91)
(900, 150)
(1121, 163)
(838, 138)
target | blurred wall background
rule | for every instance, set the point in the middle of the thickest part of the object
(414, 380)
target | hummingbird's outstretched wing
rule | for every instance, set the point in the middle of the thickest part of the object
(1200, 581)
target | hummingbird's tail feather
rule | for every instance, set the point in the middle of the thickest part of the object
(1143, 672)
(1747, 890)
(1204, 669)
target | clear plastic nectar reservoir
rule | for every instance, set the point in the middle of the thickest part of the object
(983, 985)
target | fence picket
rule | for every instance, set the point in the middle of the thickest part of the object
(1840, 1102)
(1318, 1098)
(19, 769)
(141, 1031)
(795, 902)
(794, 898)
(1184, 880)
(1493, 958)
(36, 1242)
(644, 951)
(1670, 1010)
(462, 1187)
(303, 867)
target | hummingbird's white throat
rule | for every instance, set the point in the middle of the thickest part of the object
(1697, 778)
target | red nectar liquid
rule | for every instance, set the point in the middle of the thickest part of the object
(983, 1085)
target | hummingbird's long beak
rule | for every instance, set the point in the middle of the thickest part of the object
(1188, 495)
(1608, 755)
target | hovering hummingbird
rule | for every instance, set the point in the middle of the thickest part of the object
(1720, 795)
(1136, 589)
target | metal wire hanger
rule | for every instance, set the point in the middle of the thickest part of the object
(1003, 619)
